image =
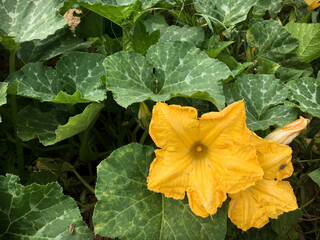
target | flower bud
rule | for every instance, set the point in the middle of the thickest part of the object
(144, 115)
(286, 134)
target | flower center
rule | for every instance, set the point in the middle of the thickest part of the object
(199, 148)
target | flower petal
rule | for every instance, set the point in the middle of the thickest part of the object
(276, 196)
(225, 128)
(239, 164)
(274, 158)
(245, 212)
(173, 127)
(169, 173)
(267, 198)
(204, 193)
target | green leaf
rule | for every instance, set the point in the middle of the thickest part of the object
(76, 79)
(128, 210)
(92, 25)
(216, 47)
(235, 67)
(315, 176)
(142, 40)
(173, 33)
(284, 225)
(155, 22)
(275, 44)
(180, 70)
(121, 12)
(3, 94)
(306, 91)
(262, 95)
(271, 39)
(227, 12)
(58, 43)
(51, 127)
(186, 33)
(272, 6)
(38, 212)
(108, 46)
(308, 35)
(26, 20)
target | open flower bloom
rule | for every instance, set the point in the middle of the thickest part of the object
(206, 157)
(286, 134)
(312, 4)
(269, 197)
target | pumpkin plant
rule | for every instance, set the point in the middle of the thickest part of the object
(159, 119)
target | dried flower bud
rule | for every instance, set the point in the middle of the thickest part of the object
(144, 115)
(286, 134)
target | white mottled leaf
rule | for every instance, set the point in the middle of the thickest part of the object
(272, 6)
(275, 44)
(306, 91)
(308, 35)
(128, 210)
(38, 212)
(76, 79)
(228, 12)
(26, 20)
(122, 12)
(173, 33)
(168, 70)
(58, 43)
(262, 95)
(51, 126)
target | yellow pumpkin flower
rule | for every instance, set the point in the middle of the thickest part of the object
(206, 157)
(286, 134)
(312, 4)
(269, 197)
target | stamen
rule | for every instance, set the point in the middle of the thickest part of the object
(199, 148)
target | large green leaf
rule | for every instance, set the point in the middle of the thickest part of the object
(272, 6)
(76, 79)
(315, 176)
(228, 12)
(51, 127)
(308, 35)
(271, 39)
(38, 212)
(168, 70)
(173, 33)
(26, 20)
(186, 33)
(262, 95)
(306, 91)
(121, 12)
(142, 40)
(275, 48)
(3, 94)
(58, 43)
(128, 210)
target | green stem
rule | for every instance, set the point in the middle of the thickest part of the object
(55, 148)
(84, 146)
(126, 38)
(144, 136)
(14, 111)
(311, 160)
(12, 66)
(134, 134)
(83, 181)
